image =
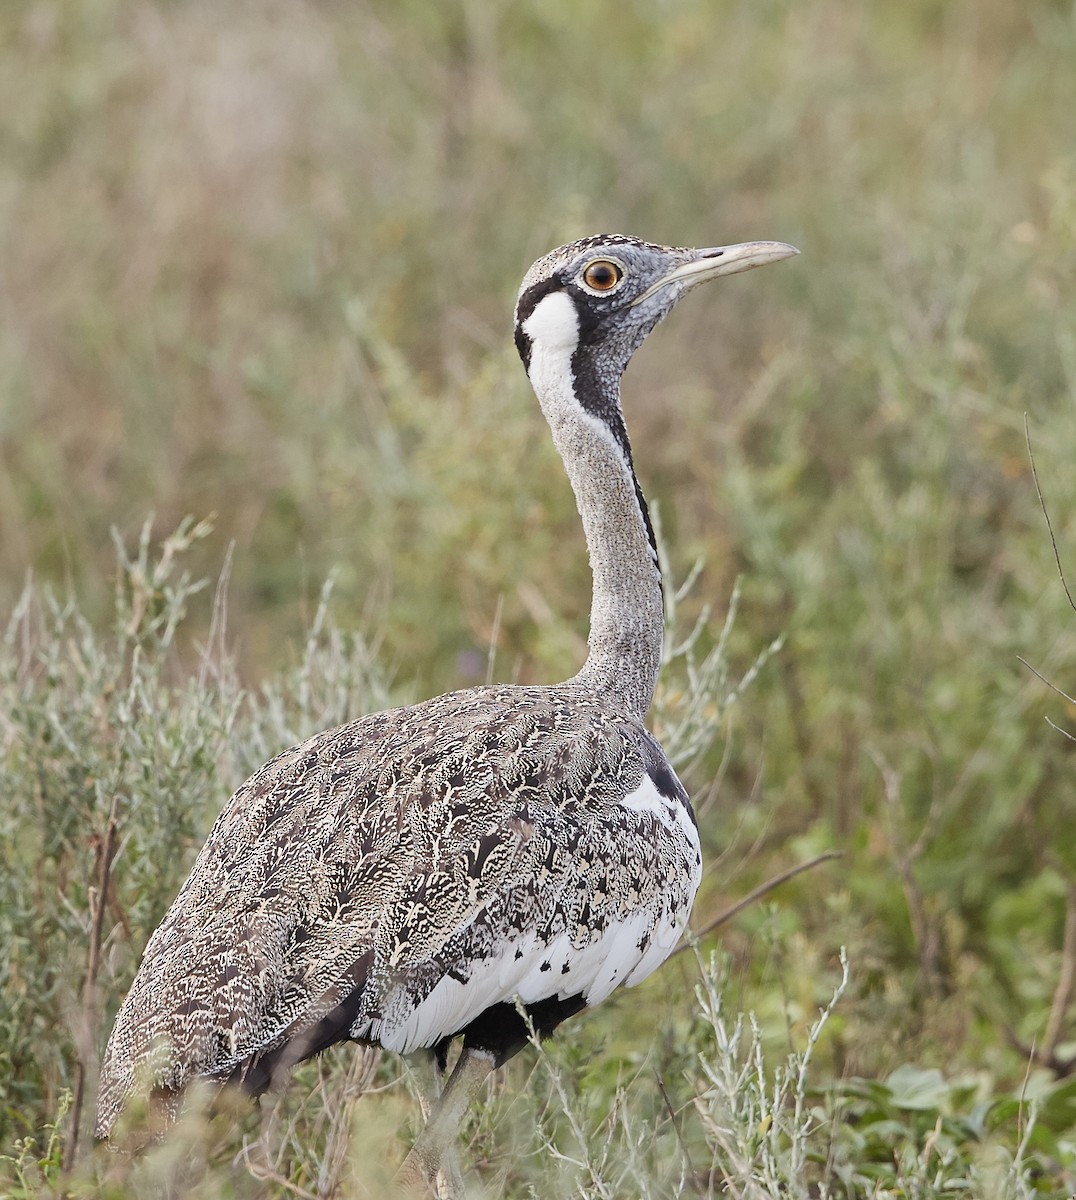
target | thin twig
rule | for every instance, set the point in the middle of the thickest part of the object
(1031, 1058)
(1051, 686)
(215, 653)
(106, 850)
(494, 639)
(1063, 732)
(675, 1119)
(1049, 524)
(927, 932)
(757, 894)
(1061, 1067)
(1066, 980)
(266, 1174)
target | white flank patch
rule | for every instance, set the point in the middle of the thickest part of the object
(671, 813)
(593, 971)
(647, 799)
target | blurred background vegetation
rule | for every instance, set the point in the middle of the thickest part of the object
(257, 263)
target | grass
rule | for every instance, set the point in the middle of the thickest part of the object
(258, 266)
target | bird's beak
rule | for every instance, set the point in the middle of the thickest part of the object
(720, 260)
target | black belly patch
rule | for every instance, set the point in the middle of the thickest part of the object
(502, 1031)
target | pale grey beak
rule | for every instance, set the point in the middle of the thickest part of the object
(721, 260)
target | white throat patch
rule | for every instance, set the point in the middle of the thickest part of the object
(553, 327)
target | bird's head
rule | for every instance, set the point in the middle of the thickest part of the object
(598, 298)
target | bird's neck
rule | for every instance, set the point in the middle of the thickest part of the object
(626, 616)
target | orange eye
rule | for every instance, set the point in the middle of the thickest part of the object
(602, 275)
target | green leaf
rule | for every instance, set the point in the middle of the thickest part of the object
(917, 1088)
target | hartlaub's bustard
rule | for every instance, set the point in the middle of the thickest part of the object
(414, 875)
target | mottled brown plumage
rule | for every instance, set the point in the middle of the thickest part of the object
(380, 855)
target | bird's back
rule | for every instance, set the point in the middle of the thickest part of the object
(393, 879)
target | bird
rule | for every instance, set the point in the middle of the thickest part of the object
(478, 866)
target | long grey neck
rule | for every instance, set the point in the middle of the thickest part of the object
(626, 618)
(626, 612)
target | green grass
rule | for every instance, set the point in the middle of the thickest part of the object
(258, 266)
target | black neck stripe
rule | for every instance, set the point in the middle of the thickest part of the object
(597, 402)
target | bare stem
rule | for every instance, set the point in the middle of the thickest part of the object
(106, 852)
(1066, 981)
(762, 890)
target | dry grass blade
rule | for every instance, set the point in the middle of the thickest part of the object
(754, 896)
(1046, 514)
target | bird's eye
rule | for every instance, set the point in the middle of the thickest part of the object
(602, 275)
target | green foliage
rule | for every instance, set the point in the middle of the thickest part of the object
(35, 1168)
(116, 756)
(116, 752)
(726, 1113)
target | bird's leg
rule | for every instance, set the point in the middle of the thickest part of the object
(436, 1141)
(430, 1070)
(430, 1074)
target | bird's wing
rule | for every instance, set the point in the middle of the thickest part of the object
(352, 876)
